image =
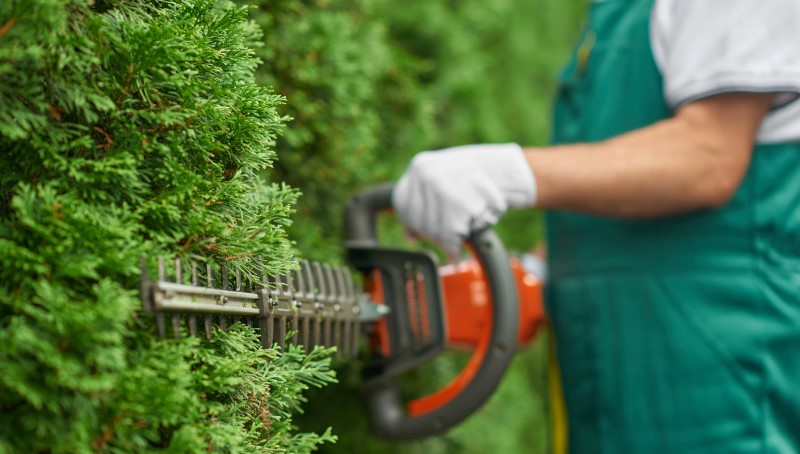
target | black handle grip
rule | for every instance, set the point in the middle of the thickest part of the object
(387, 412)
(361, 213)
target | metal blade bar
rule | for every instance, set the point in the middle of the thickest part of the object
(317, 302)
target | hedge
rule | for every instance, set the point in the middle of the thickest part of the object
(132, 129)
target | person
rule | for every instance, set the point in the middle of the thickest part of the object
(672, 190)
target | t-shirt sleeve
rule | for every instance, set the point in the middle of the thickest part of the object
(708, 47)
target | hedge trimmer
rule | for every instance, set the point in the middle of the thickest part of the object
(408, 309)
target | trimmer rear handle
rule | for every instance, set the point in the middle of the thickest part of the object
(361, 214)
(440, 411)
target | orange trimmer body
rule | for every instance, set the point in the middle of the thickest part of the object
(467, 306)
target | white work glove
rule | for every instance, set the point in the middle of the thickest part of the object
(446, 195)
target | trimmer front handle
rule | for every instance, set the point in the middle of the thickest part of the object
(414, 330)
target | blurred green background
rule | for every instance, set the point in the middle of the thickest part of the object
(368, 84)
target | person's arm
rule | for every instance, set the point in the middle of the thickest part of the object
(694, 160)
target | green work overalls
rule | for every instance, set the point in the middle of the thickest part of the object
(678, 335)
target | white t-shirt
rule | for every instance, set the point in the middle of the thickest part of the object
(707, 47)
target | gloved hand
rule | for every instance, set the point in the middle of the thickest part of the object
(446, 195)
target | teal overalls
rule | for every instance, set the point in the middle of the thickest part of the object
(678, 335)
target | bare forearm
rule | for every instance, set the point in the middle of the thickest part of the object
(652, 172)
(683, 164)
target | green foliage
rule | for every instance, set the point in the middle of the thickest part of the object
(355, 103)
(130, 129)
(231, 395)
(491, 64)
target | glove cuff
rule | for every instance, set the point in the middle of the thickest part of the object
(512, 173)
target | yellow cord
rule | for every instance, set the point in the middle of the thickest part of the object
(558, 410)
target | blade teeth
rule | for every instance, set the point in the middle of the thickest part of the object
(238, 287)
(209, 284)
(326, 332)
(345, 336)
(162, 272)
(225, 282)
(330, 302)
(318, 289)
(178, 271)
(271, 290)
(346, 311)
(176, 318)
(193, 317)
(176, 325)
(316, 337)
(193, 325)
(306, 338)
(337, 333)
(303, 303)
(288, 297)
(282, 331)
(270, 331)
(316, 302)
(162, 330)
(207, 326)
(337, 308)
(159, 316)
(295, 328)
(293, 291)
